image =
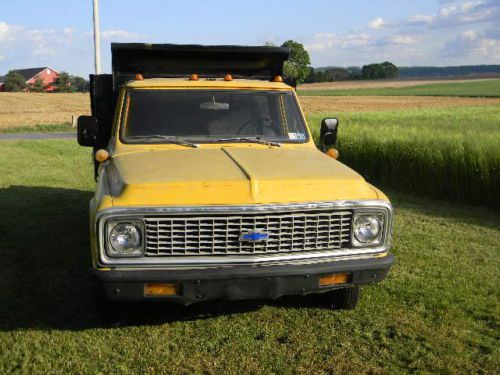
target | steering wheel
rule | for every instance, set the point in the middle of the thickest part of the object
(252, 121)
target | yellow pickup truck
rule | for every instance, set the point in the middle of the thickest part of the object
(209, 184)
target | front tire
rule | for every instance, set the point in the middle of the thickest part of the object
(341, 299)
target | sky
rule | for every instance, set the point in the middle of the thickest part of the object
(58, 33)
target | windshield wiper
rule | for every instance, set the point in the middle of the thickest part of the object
(250, 139)
(168, 138)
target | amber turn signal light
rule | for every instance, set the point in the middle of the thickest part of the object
(139, 77)
(333, 153)
(159, 290)
(228, 77)
(101, 155)
(278, 79)
(341, 278)
(193, 77)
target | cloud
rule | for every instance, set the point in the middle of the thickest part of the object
(404, 39)
(458, 14)
(470, 44)
(8, 33)
(119, 34)
(377, 23)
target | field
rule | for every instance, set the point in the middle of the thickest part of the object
(451, 153)
(345, 104)
(438, 312)
(472, 88)
(20, 112)
(384, 83)
(27, 110)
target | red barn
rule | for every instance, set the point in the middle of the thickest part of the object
(46, 74)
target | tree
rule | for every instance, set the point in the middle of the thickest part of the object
(296, 69)
(380, 71)
(37, 86)
(391, 70)
(63, 83)
(80, 84)
(14, 82)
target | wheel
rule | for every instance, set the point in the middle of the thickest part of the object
(341, 299)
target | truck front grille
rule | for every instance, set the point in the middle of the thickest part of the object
(222, 234)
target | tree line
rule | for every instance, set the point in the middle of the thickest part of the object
(385, 70)
(15, 82)
(298, 68)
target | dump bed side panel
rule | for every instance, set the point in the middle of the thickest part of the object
(170, 60)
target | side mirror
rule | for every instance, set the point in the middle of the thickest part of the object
(328, 132)
(86, 131)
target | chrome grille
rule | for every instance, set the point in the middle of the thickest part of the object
(220, 234)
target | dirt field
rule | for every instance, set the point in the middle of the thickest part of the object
(21, 109)
(378, 84)
(312, 104)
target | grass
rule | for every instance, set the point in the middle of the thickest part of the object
(483, 88)
(438, 311)
(42, 128)
(450, 153)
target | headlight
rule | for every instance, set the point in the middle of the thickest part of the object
(368, 229)
(125, 239)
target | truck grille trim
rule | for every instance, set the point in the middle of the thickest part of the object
(219, 234)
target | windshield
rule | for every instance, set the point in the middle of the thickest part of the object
(164, 116)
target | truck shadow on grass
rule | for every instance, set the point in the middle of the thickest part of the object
(45, 281)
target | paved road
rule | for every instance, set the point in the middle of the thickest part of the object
(37, 136)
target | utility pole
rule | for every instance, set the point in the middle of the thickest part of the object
(97, 38)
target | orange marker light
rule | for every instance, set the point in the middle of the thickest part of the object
(193, 77)
(101, 155)
(139, 77)
(159, 290)
(228, 77)
(278, 79)
(333, 153)
(342, 278)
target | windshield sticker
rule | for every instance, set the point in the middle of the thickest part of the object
(296, 136)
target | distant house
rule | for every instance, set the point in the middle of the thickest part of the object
(46, 74)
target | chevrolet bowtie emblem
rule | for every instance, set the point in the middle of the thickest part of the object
(254, 236)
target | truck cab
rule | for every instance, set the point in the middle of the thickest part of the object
(210, 186)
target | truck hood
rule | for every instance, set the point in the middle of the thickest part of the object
(231, 176)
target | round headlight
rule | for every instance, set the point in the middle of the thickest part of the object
(125, 238)
(367, 228)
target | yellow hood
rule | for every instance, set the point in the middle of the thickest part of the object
(231, 175)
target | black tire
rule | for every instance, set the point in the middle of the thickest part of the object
(341, 299)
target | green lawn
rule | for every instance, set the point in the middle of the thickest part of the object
(451, 153)
(486, 88)
(438, 311)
